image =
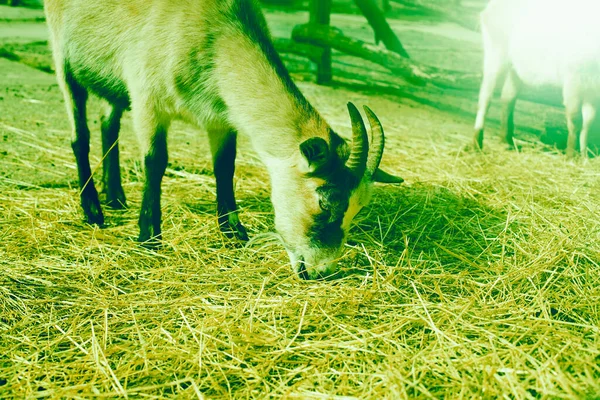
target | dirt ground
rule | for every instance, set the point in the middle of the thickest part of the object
(479, 277)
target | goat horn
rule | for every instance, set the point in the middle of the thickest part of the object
(357, 162)
(377, 143)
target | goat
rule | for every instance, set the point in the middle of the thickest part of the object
(211, 63)
(536, 43)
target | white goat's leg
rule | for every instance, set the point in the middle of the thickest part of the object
(588, 113)
(573, 123)
(573, 108)
(510, 91)
(494, 65)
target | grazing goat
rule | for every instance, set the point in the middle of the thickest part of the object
(538, 43)
(212, 63)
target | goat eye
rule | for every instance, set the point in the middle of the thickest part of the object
(324, 206)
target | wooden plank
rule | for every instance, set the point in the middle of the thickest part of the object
(410, 70)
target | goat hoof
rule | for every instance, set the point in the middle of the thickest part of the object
(92, 211)
(115, 198)
(95, 220)
(232, 228)
(117, 203)
(150, 236)
(472, 147)
(240, 233)
(152, 243)
(477, 142)
(237, 231)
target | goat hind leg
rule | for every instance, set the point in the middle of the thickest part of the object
(494, 65)
(152, 134)
(111, 124)
(510, 91)
(573, 123)
(588, 113)
(573, 108)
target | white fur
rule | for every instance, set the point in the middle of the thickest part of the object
(542, 42)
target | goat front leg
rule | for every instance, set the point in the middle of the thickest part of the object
(152, 132)
(495, 64)
(485, 98)
(75, 99)
(223, 148)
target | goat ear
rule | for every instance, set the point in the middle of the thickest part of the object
(315, 151)
(383, 177)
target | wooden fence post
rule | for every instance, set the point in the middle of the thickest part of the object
(320, 13)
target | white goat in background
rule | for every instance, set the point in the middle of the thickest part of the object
(539, 43)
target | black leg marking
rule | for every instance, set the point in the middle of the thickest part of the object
(478, 140)
(574, 123)
(111, 124)
(508, 123)
(81, 148)
(155, 163)
(510, 91)
(224, 167)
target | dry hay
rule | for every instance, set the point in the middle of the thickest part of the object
(478, 278)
